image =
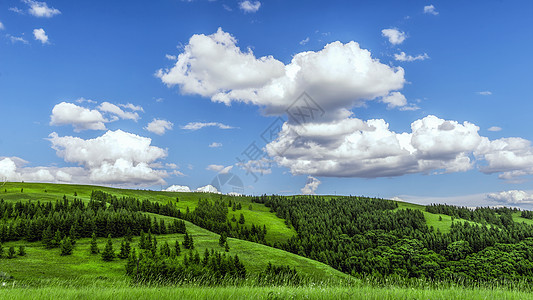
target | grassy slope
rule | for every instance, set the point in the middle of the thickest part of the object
(41, 263)
(277, 230)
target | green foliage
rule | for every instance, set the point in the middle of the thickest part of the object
(188, 242)
(11, 253)
(22, 250)
(222, 239)
(94, 244)
(279, 275)
(214, 268)
(125, 249)
(66, 246)
(241, 219)
(108, 254)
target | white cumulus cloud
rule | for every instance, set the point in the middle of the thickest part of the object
(338, 76)
(159, 126)
(207, 189)
(310, 186)
(249, 6)
(178, 188)
(494, 128)
(117, 157)
(118, 112)
(41, 9)
(394, 35)
(512, 197)
(219, 168)
(355, 148)
(79, 117)
(430, 9)
(40, 35)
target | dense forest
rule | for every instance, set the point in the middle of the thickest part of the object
(366, 236)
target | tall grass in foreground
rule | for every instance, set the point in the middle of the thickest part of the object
(309, 292)
(367, 288)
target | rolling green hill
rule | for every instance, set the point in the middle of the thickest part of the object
(43, 264)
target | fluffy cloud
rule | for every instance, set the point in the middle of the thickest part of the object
(494, 128)
(14, 169)
(512, 157)
(337, 77)
(512, 197)
(178, 188)
(200, 125)
(430, 9)
(395, 36)
(118, 112)
(81, 118)
(355, 148)
(404, 57)
(310, 186)
(215, 145)
(41, 9)
(117, 157)
(207, 189)
(219, 169)
(304, 41)
(40, 35)
(2, 26)
(159, 126)
(249, 6)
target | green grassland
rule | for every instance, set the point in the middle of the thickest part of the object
(259, 215)
(44, 274)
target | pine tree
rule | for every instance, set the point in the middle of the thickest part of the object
(154, 247)
(124, 249)
(22, 251)
(241, 219)
(94, 244)
(186, 242)
(222, 239)
(57, 239)
(131, 265)
(11, 252)
(226, 247)
(73, 235)
(65, 246)
(108, 254)
(165, 250)
(47, 237)
(177, 248)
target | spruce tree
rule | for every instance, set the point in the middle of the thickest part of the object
(124, 249)
(131, 264)
(94, 244)
(177, 248)
(108, 254)
(57, 239)
(164, 250)
(22, 251)
(222, 239)
(11, 252)
(241, 219)
(47, 237)
(226, 247)
(65, 246)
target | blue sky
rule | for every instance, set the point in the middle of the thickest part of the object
(427, 101)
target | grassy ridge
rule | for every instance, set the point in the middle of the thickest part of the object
(260, 215)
